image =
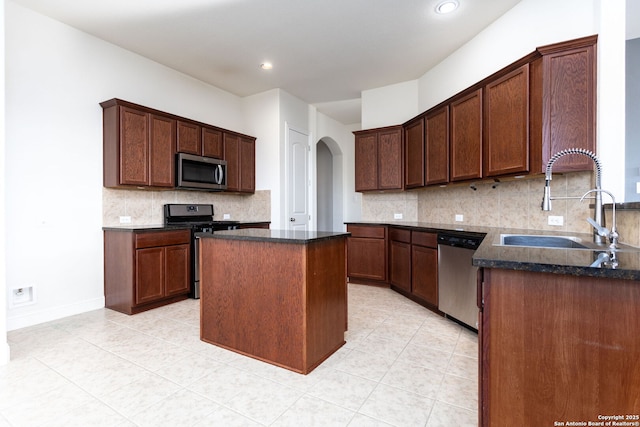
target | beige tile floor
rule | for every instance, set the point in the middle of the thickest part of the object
(402, 366)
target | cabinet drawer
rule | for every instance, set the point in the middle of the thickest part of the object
(400, 235)
(373, 232)
(162, 238)
(421, 238)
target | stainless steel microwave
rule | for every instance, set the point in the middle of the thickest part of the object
(200, 173)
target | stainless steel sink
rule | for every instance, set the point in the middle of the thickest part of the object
(538, 241)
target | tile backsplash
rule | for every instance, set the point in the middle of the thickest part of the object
(145, 207)
(511, 204)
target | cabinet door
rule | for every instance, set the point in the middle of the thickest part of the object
(568, 104)
(150, 270)
(188, 138)
(400, 264)
(134, 147)
(366, 258)
(437, 146)
(466, 137)
(414, 154)
(366, 161)
(232, 156)
(506, 124)
(176, 270)
(390, 160)
(212, 144)
(247, 165)
(424, 273)
(162, 147)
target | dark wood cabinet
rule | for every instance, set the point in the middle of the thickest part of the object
(162, 148)
(400, 258)
(506, 124)
(145, 269)
(140, 143)
(379, 159)
(563, 109)
(239, 152)
(189, 139)
(138, 147)
(437, 146)
(424, 266)
(557, 347)
(367, 253)
(414, 156)
(466, 137)
(413, 264)
(212, 143)
(199, 140)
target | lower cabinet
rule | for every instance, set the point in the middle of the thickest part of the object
(413, 264)
(367, 253)
(556, 347)
(424, 263)
(145, 269)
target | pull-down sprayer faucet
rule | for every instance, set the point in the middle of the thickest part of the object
(597, 214)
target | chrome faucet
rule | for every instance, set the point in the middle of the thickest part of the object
(597, 214)
(603, 231)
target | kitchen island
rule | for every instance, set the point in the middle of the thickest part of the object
(279, 296)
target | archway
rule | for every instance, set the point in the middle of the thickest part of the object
(329, 179)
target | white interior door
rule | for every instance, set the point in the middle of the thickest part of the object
(298, 180)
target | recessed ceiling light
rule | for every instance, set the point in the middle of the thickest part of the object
(447, 6)
(266, 65)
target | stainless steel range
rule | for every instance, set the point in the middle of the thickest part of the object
(199, 218)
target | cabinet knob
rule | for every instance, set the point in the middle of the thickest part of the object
(292, 219)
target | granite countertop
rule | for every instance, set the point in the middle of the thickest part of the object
(490, 254)
(577, 262)
(156, 227)
(141, 227)
(277, 236)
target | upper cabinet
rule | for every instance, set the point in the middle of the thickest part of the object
(465, 140)
(563, 109)
(199, 140)
(506, 124)
(379, 159)
(437, 146)
(414, 153)
(239, 152)
(140, 146)
(509, 124)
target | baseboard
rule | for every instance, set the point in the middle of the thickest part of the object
(55, 313)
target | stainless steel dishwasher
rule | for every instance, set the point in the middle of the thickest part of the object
(457, 276)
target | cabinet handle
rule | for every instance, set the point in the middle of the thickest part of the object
(292, 219)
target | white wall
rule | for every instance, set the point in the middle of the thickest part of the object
(4, 346)
(390, 105)
(263, 118)
(55, 78)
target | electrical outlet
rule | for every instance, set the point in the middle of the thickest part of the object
(22, 296)
(555, 220)
(226, 216)
(397, 216)
(459, 217)
(125, 220)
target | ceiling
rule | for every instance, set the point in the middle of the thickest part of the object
(323, 52)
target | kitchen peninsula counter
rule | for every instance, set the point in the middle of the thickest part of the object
(279, 296)
(576, 262)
